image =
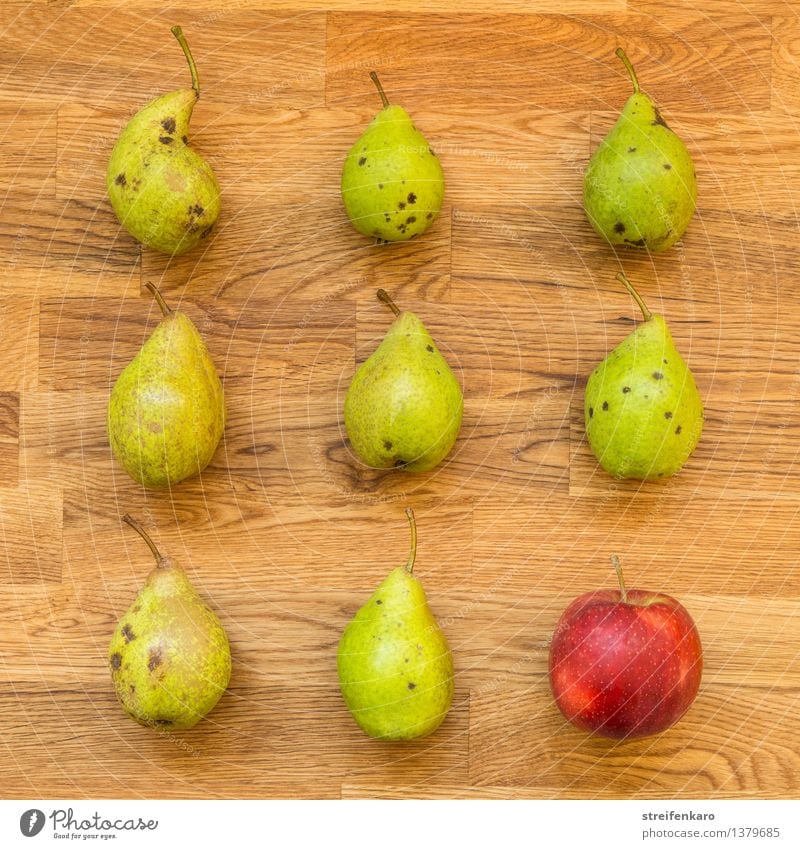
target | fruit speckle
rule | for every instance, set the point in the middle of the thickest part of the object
(659, 120)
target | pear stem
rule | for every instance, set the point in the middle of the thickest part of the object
(383, 295)
(128, 519)
(178, 33)
(635, 295)
(373, 75)
(166, 311)
(629, 67)
(413, 553)
(618, 569)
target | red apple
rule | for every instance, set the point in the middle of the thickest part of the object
(625, 663)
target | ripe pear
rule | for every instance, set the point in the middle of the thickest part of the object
(392, 182)
(166, 413)
(404, 406)
(643, 412)
(169, 656)
(395, 667)
(640, 187)
(164, 194)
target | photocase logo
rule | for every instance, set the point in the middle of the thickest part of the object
(65, 824)
(31, 822)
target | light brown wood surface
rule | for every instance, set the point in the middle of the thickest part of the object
(286, 533)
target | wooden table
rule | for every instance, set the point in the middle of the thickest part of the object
(286, 533)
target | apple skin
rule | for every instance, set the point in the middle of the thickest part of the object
(625, 669)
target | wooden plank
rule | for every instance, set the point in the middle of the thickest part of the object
(19, 351)
(785, 56)
(266, 728)
(9, 438)
(87, 342)
(517, 736)
(566, 7)
(563, 546)
(28, 149)
(57, 633)
(58, 248)
(426, 790)
(688, 60)
(126, 57)
(30, 528)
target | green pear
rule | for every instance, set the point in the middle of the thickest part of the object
(392, 182)
(640, 188)
(169, 656)
(642, 409)
(166, 413)
(164, 194)
(395, 667)
(404, 406)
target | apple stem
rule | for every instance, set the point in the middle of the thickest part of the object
(629, 67)
(166, 311)
(383, 295)
(618, 569)
(373, 75)
(635, 295)
(178, 33)
(128, 519)
(413, 553)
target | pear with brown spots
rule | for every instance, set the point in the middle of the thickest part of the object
(166, 413)
(392, 181)
(164, 193)
(643, 413)
(640, 188)
(404, 406)
(169, 657)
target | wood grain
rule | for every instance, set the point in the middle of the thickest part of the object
(286, 533)
(435, 56)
